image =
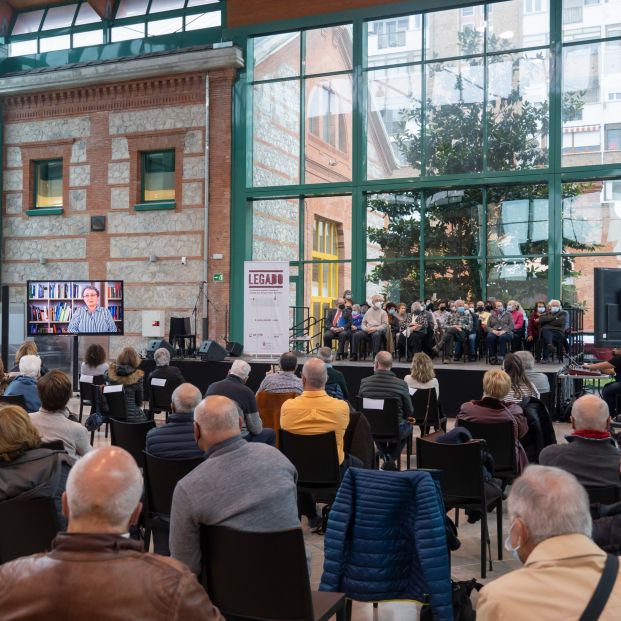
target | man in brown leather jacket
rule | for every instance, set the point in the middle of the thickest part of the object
(93, 571)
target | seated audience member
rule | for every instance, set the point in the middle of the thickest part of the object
(374, 328)
(403, 320)
(284, 380)
(338, 326)
(25, 384)
(422, 375)
(550, 533)
(553, 324)
(246, 486)
(336, 386)
(521, 386)
(125, 371)
(482, 314)
(519, 324)
(612, 389)
(537, 379)
(27, 348)
(175, 439)
(590, 454)
(52, 420)
(94, 361)
(234, 387)
(417, 330)
(4, 378)
(101, 502)
(492, 409)
(164, 370)
(384, 384)
(533, 330)
(499, 333)
(457, 330)
(26, 469)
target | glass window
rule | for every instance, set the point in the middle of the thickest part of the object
(393, 225)
(394, 122)
(446, 279)
(535, 6)
(50, 44)
(276, 56)
(323, 283)
(276, 133)
(525, 280)
(604, 15)
(86, 15)
(48, 184)
(212, 19)
(21, 48)
(90, 37)
(613, 137)
(328, 49)
(453, 219)
(397, 281)
(27, 22)
(275, 230)
(131, 8)
(513, 28)
(125, 33)
(165, 26)
(591, 217)
(59, 16)
(158, 176)
(201, 2)
(518, 110)
(446, 37)
(327, 228)
(454, 127)
(397, 40)
(157, 6)
(328, 145)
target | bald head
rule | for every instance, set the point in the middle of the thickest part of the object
(590, 412)
(103, 492)
(314, 374)
(185, 398)
(216, 419)
(383, 360)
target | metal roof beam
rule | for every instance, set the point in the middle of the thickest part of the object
(6, 18)
(104, 8)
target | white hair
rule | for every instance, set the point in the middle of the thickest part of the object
(240, 368)
(553, 302)
(186, 397)
(325, 354)
(217, 413)
(30, 365)
(161, 357)
(590, 412)
(550, 502)
(526, 358)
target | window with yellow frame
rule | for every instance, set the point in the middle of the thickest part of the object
(325, 276)
(48, 184)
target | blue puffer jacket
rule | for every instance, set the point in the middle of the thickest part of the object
(175, 440)
(386, 540)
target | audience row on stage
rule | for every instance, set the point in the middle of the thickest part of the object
(455, 329)
(98, 493)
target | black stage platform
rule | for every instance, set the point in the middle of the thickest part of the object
(459, 382)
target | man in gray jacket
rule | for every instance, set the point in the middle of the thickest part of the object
(247, 486)
(384, 384)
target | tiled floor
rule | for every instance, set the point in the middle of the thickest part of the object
(465, 561)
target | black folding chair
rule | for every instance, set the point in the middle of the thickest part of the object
(89, 392)
(131, 436)
(384, 422)
(427, 410)
(500, 443)
(161, 396)
(27, 527)
(280, 585)
(463, 485)
(603, 494)
(13, 400)
(160, 478)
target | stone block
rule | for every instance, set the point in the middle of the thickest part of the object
(50, 129)
(119, 198)
(77, 200)
(161, 246)
(157, 297)
(194, 168)
(156, 120)
(34, 249)
(118, 173)
(13, 180)
(14, 203)
(46, 226)
(78, 152)
(117, 343)
(120, 149)
(13, 157)
(192, 194)
(193, 142)
(21, 272)
(160, 271)
(188, 220)
(79, 176)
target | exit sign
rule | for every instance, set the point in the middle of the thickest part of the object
(218, 278)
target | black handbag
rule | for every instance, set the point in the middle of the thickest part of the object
(462, 604)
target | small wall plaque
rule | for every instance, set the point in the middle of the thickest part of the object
(98, 223)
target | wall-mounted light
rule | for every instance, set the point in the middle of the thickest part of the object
(42, 260)
(152, 258)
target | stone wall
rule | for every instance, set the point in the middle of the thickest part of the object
(100, 132)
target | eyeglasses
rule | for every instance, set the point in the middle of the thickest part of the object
(90, 295)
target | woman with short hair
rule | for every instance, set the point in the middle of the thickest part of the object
(94, 361)
(27, 348)
(124, 371)
(25, 384)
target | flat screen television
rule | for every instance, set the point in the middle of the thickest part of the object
(84, 307)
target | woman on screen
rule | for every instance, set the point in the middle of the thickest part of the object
(92, 318)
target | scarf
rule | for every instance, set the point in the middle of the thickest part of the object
(591, 434)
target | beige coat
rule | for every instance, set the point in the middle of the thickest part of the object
(555, 584)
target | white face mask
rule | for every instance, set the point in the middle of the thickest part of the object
(509, 548)
(377, 305)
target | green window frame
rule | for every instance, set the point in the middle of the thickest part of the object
(48, 184)
(157, 178)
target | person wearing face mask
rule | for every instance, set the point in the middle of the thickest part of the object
(553, 326)
(374, 328)
(338, 326)
(499, 333)
(419, 322)
(550, 533)
(519, 324)
(404, 319)
(458, 327)
(482, 313)
(534, 324)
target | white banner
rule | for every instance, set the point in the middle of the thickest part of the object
(266, 307)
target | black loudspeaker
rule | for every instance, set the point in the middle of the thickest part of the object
(156, 344)
(607, 307)
(234, 349)
(210, 350)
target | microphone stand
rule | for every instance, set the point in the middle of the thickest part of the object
(195, 311)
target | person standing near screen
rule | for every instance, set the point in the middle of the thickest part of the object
(91, 318)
